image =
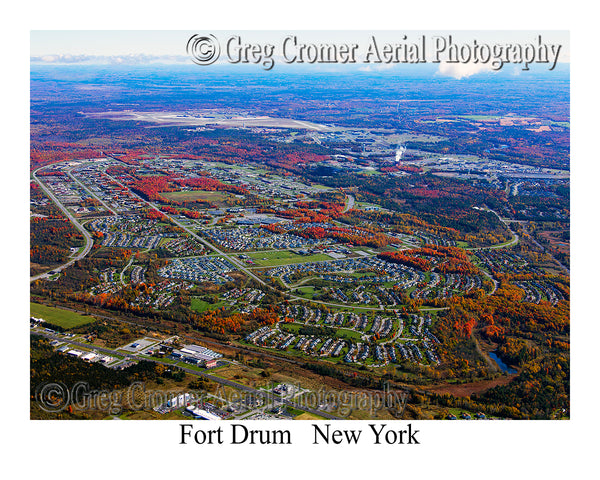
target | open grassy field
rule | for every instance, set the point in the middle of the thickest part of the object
(306, 292)
(308, 416)
(58, 316)
(201, 306)
(348, 334)
(284, 257)
(218, 198)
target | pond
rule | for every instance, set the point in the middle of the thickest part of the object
(505, 368)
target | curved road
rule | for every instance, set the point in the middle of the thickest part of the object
(515, 240)
(349, 204)
(88, 238)
(510, 243)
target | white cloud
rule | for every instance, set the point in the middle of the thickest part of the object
(462, 70)
(132, 59)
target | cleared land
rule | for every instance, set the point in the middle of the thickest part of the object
(284, 257)
(58, 316)
(218, 198)
(307, 292)
(467, 389)
(200, 305)
(309, 416)
(555, 239)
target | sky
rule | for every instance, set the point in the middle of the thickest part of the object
(164, 42)
(163, 46)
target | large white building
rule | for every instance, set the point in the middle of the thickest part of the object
(202, 414)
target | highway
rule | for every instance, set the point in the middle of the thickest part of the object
(88, 238)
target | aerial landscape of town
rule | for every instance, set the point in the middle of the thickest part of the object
(249, 243)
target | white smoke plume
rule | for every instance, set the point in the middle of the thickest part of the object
(399, 152)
